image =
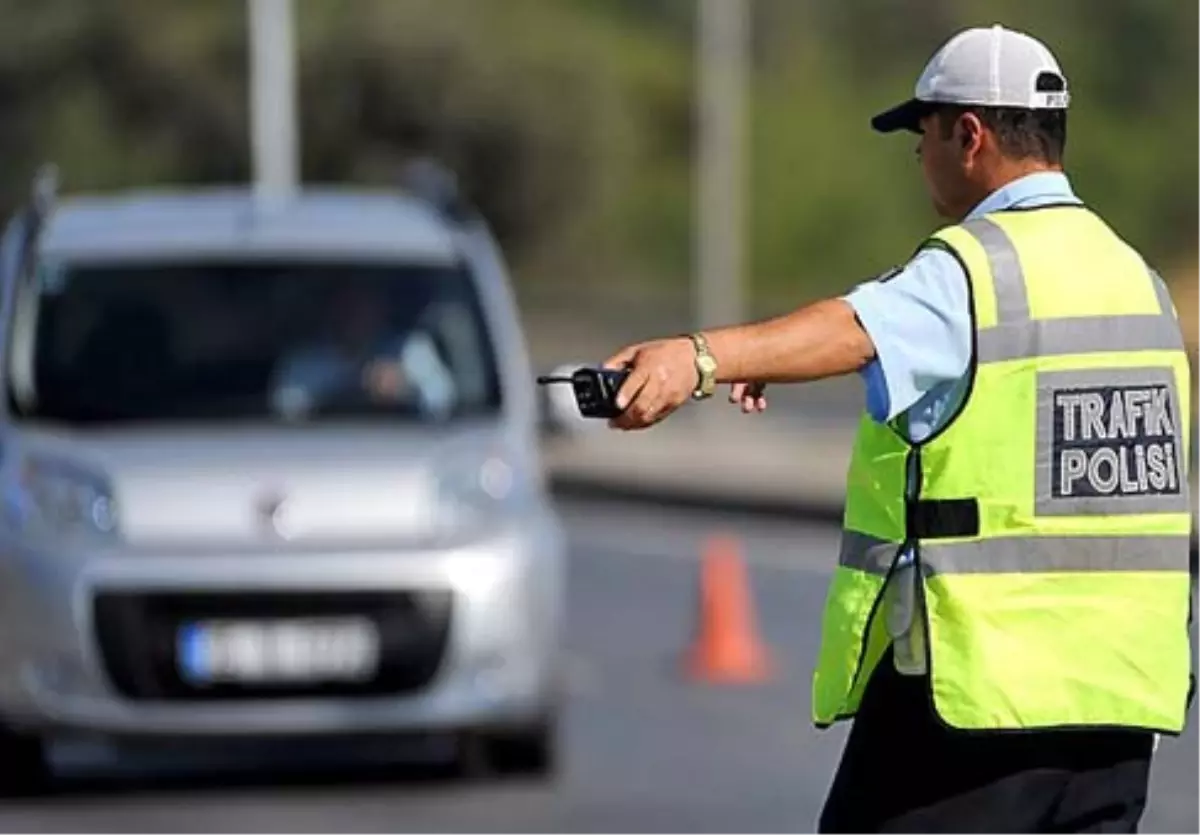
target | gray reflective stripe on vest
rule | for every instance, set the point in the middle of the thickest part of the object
(1024, 554)
(1077, 335)
(1049, 554)
(867, 553)
(1017, 336)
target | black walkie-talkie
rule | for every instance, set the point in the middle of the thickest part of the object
(595, 389)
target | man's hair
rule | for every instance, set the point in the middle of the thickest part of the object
(1020, 133)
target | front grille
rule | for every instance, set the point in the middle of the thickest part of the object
(136, 633)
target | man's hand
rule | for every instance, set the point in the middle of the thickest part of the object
(751, 396)
(662, 377)
(383, 379)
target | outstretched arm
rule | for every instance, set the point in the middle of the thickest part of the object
(819, 340)
(906, 332)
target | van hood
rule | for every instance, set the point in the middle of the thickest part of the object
(261, 488)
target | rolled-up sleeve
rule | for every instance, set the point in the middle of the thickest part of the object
(919, 319)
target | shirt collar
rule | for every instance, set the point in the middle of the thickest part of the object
(1041, 186)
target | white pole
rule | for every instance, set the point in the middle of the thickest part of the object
(721, 56)
(275, 145)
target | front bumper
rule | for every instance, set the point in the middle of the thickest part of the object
(497, 665)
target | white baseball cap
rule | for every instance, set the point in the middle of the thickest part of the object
(988, 67)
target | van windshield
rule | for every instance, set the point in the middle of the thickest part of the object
(262, 341)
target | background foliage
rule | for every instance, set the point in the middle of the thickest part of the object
(571, 120)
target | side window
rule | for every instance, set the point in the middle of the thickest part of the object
(10, 247)
(10, 264)
(17, 328)
(10, 253)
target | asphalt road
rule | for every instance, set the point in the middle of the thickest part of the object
(646, 750)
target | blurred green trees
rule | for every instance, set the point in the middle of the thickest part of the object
(570, 120)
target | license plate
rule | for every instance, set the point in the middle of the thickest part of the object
(278, 652)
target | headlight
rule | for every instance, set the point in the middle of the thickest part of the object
(475, 575)
(58, 499)
(474, 488)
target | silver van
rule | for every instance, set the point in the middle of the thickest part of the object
(270, 470)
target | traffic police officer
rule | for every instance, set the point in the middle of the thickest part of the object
(1008, 620)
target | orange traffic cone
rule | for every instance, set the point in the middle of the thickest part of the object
(726, 648)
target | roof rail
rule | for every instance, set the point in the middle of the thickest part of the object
(427, 179)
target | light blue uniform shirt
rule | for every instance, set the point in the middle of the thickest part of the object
(919, 320)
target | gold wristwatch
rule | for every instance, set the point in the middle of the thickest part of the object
(706, 368)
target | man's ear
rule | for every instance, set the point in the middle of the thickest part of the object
(970, 133)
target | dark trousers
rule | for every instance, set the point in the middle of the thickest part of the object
(902, 770)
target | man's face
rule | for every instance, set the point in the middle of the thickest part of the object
(358, 316)
(944, 163)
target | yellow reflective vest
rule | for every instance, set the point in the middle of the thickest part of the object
(1050, 517)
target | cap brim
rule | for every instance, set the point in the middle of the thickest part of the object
(905, 116)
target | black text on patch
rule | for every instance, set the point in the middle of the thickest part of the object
(1114, 441)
